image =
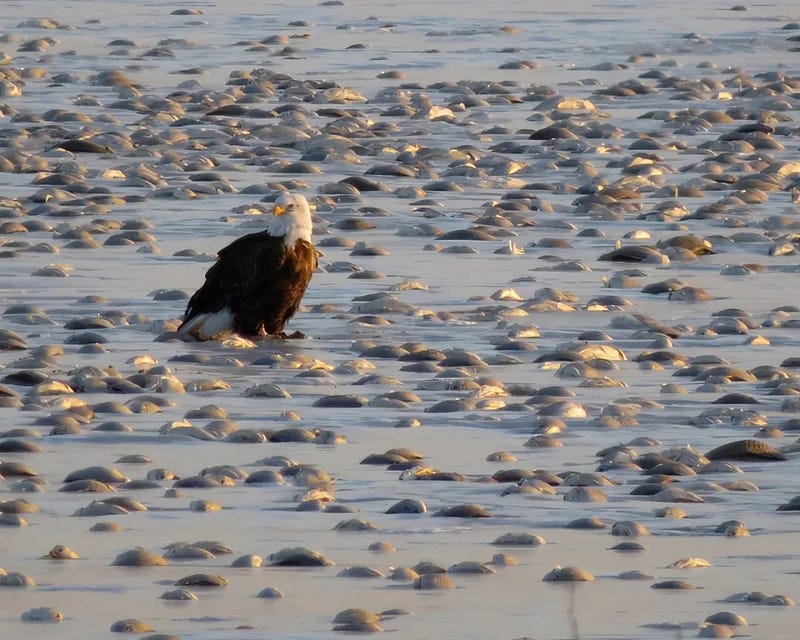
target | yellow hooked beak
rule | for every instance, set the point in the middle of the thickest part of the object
(279, 209)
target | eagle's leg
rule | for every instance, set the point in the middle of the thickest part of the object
(280, 335)
(263, 334)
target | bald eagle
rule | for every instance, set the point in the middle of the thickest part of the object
(257, 282)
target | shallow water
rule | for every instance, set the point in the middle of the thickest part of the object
(429, 44)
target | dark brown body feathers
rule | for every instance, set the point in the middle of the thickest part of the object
(260, 280)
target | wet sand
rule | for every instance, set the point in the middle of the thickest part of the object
(483, 137)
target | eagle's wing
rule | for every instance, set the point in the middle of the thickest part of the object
(238, 274)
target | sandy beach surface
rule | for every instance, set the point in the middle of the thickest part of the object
(489, 157)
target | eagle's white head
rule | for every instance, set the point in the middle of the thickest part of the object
(291, 219)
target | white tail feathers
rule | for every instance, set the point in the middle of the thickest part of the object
(208, 326)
